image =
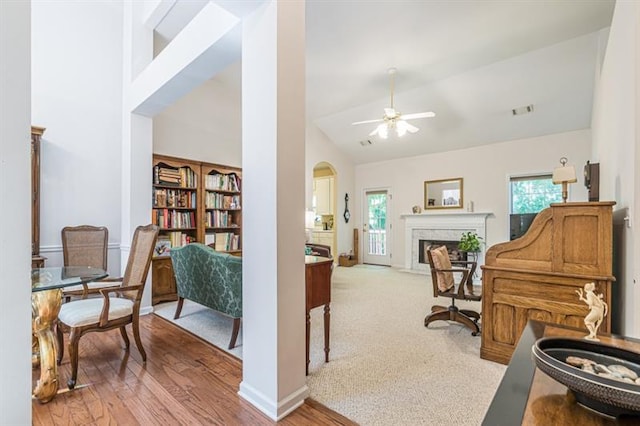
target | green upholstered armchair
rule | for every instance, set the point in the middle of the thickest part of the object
(210, 278)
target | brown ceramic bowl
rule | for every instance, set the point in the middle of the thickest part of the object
(607, 396)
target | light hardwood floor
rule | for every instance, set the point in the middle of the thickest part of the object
(185, 381)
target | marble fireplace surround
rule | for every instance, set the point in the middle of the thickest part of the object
(442, 227)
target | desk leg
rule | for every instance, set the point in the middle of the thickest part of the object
(45, 306)
(308, 336)
(327, 320)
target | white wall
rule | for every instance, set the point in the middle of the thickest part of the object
(319, 148)
(616, 126)
(205, 125)
(485, 170)
(15, 190)
(76, 95)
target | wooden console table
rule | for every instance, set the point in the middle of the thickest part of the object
(527, 396)
(318, 293)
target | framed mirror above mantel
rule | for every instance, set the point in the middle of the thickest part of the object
(443, 194)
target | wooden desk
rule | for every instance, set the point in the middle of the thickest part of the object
(527, 396)
(318, 293)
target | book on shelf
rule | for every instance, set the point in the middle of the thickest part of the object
(221, 241)
(167, 218)
(222, 181)
(163, 197)
(179, 239)
(226, 241)
(178, 176)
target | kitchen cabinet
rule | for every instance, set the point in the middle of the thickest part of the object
(326, 238)
(323, 193)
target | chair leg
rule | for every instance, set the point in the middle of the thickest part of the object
(463, 319)
(453, 314)
(436, 316)
(234, 333)
(437, 308)
(74, 338)
(472, 314)
(178, 308)
(123, 333)
(60, 342)
(136, 335)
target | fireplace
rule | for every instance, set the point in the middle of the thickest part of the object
(439, 229)
(452, 249)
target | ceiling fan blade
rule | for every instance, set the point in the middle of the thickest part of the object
(382, 131)
(411, 128)
(402, 127)
(417, 115)
(368, 121)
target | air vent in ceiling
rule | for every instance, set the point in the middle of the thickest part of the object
(522, 110)
(366, 143)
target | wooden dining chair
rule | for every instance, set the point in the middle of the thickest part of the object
(85, 245)
(118, 305)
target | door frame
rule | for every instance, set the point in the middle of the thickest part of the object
(389, 225)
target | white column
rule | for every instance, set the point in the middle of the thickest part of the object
(635, 220)
(137, 136)
(273, 132)
(15, 187)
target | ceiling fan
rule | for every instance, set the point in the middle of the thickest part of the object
(393, 119)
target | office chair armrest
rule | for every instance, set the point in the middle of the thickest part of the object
(453, 270)
(473, 263)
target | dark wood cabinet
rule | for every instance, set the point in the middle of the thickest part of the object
(164, 282)
(37, 261)
(193, 202)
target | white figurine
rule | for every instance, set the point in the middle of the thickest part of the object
(598, 309)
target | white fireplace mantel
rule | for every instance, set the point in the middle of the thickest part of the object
(440, 226)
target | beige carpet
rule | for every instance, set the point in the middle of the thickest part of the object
(385, 367)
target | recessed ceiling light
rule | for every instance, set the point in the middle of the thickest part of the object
(522, 110)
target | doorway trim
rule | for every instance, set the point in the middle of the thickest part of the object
(388, 225)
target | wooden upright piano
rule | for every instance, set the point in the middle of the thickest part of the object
(536, 276)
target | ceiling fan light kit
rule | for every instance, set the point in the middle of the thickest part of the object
(394, 120)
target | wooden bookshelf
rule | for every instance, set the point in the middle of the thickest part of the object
(175, 199)
(193, 201)
(222, 201)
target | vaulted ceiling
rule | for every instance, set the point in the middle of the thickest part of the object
(469, 61)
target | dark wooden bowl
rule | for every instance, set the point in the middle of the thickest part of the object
(607, 396)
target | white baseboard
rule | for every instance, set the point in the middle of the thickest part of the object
(275, 410)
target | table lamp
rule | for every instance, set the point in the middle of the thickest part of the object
(564, 175)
